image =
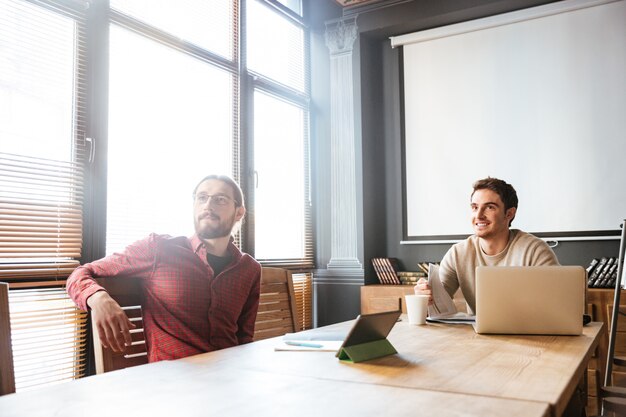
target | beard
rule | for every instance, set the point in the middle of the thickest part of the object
(223, 228)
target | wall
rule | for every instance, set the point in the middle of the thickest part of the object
(379, 139)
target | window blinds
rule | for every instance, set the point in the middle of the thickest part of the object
(42, 128)
(48, 337)
(40, 217)
(303, 290)
(42, 87)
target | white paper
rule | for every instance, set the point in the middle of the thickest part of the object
(442, 305)
(315, 334)
(457, 318)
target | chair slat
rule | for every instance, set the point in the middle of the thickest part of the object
(273, 306)
(284, 323)
(276, 314)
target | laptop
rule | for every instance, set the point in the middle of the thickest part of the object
(530, 299)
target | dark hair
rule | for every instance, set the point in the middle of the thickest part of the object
(507, 193)
(238, 194)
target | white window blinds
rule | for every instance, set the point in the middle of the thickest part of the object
(42, 157)
(42, 97)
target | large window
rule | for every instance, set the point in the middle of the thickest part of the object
(179, 103)
(42, 164)
(170, 124)
(112, 110)
(276, 51)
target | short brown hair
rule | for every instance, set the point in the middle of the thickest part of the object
(507, 193)
(238, 194)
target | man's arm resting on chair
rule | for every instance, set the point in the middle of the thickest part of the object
(111, 321)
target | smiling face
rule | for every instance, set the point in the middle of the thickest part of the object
(215, 210)
(489, 217)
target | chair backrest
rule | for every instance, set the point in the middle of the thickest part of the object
(7, 376)
(277, 306)
(126, 291)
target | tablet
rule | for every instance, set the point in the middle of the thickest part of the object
(369, 328)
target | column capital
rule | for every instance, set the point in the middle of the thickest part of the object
(341, 34)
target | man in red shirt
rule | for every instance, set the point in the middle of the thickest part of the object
(199, 294)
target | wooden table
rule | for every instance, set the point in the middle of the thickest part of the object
(442, 370)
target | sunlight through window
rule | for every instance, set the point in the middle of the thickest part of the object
(279, 197)
(170, 124)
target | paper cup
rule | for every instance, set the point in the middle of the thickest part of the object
(416, 308)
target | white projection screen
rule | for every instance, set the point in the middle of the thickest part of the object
(536, 97)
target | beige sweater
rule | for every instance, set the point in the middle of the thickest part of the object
(459, 264)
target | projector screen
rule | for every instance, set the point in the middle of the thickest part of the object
(535, 97)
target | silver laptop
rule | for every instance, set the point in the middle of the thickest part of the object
(530, 299)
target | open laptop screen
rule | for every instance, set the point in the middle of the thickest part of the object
(530, 299)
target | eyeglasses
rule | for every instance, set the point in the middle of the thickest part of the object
(217, 199)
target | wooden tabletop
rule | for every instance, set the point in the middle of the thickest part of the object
(180, 388)
(444, 370)
(446, 358)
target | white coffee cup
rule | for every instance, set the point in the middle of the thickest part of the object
(416, 308)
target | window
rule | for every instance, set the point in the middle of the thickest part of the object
(173, 103)
(279, 130)
(275, 46)
(174, 93)
(276, 51)
(174, 117)
(170, 124)
(42, 164)
(208, 24)
(171, 106)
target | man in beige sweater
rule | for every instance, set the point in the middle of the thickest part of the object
(493, 207)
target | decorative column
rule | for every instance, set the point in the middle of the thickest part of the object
(340, 36)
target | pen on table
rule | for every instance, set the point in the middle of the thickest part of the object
(303, 344)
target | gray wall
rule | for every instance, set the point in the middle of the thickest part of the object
(379, 138)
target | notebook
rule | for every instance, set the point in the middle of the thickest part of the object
(530, 299)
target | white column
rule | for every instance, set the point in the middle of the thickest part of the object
(340, 36)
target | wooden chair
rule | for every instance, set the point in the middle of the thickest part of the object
(277, 306)
(127, 294)
(7, 375)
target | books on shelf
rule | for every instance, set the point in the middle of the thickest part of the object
(385, 269)
(424, 266)
(411, 277)
(412, 274)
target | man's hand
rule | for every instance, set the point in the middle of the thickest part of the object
(112, 323)
(422, 288)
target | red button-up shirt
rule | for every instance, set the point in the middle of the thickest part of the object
(187, 310)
